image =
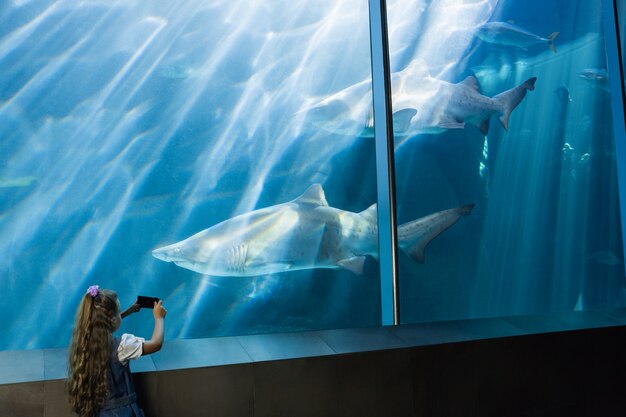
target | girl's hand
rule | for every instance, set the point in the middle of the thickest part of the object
(159, 311)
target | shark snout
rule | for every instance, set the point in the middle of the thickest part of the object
(166, 253)
(160, 254)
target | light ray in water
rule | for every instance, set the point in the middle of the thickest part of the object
(198, 296)
(65, 175)
(71, 169)
(17, 37)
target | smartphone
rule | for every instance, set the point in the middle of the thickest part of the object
(146, 302)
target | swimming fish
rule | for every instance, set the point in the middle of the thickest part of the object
(568, 151)
(598, 78)
(304, 233)
(420, 105)
(508, 34)
(562, 92)
(584, 158)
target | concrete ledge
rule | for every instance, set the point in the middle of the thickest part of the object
(573, 373)
(51, 364)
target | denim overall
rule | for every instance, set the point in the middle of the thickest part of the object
(122, 399)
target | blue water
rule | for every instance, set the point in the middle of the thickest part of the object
(129, 125)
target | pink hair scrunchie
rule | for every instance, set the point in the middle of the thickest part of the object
(94, 290)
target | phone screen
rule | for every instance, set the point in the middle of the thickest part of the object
(146, 302)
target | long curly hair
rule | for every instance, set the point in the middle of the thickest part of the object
(90, 352)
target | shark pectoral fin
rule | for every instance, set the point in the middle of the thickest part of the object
(416, 252)
(354, 264)
(504, 120)
(484, 126)
(402, 120)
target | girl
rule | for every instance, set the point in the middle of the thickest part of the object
(99, 381)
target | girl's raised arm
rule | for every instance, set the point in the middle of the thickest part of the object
(154, 344)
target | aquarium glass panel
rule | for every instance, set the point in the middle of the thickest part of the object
(505, 155)
(621, 20)
(128, 127)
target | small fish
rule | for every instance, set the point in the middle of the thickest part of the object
(508, 34)
(584, 159)
(598, 78)
(568, 151)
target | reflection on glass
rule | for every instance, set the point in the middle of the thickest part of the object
(513, 107)
(128, 126)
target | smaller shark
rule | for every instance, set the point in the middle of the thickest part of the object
(596, 77)
(304, 233)
(508, 34)
(421, 104)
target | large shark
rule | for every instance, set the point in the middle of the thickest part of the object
(421, 104)
(304, 233)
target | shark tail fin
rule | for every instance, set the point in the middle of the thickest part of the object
(509, 99)
(551, 41)
(415, 235)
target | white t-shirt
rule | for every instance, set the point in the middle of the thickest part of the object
(130, 347)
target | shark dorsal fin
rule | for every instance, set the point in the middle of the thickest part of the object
(471, 82)
(370, 213)
(402, 119)
(313, 195)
